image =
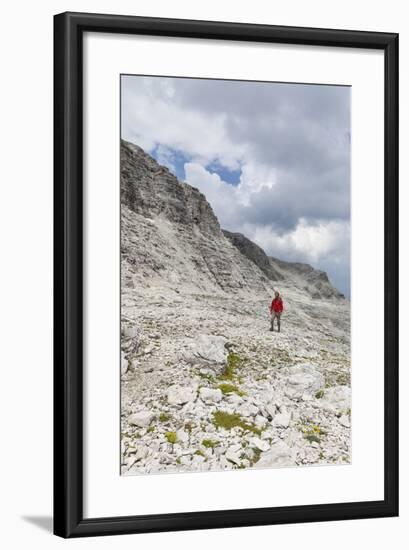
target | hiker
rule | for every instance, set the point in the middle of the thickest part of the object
(276, 309)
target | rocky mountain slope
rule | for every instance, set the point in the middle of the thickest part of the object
(304, 276)
(204, 384)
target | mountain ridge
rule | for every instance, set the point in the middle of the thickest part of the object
(158, 193)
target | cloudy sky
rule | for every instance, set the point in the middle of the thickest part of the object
(272, 159)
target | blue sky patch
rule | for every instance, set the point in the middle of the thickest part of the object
(171, 158)
(229, 176)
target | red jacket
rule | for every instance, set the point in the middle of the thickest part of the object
(276, 305)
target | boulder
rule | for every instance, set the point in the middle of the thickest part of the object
(247, 409)
(198, 459)
(281, 420)
(304, 379)
(336, 399)
(279, 455)
(270, 409)
(130, 331)
(259, 444)
(344, 421)
(179, 395)
(131, 336)
(207, 350)
(232, 456)
(209, 395)
(141, 419)
(182, 436)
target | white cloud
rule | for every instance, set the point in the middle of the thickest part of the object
(151, 117)
(308, 243)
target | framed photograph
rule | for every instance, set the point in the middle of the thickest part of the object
(226, 274)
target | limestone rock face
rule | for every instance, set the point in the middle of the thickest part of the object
(304, 276)
(150, 189)
(254, 253)
(169, 231)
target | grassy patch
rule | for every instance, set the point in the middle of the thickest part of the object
(233, 363)
(312, 433)
(227, 388)
(319, 394)
(209, 443)
(229, 421)
(204, 376)
(164, 417)
(150, 429)
(200, 453)
(171, 437)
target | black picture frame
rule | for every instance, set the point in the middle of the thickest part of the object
(68, 274)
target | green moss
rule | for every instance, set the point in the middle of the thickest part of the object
(228, 421)
(230, 388)
(164, 417)
(204, 376)
(150, 429)
(209, 443)
(200, 453)
(171, 437)
(312, 432)
(319, 394)
(233, 363)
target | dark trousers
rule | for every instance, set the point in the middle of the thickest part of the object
(276, 315)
